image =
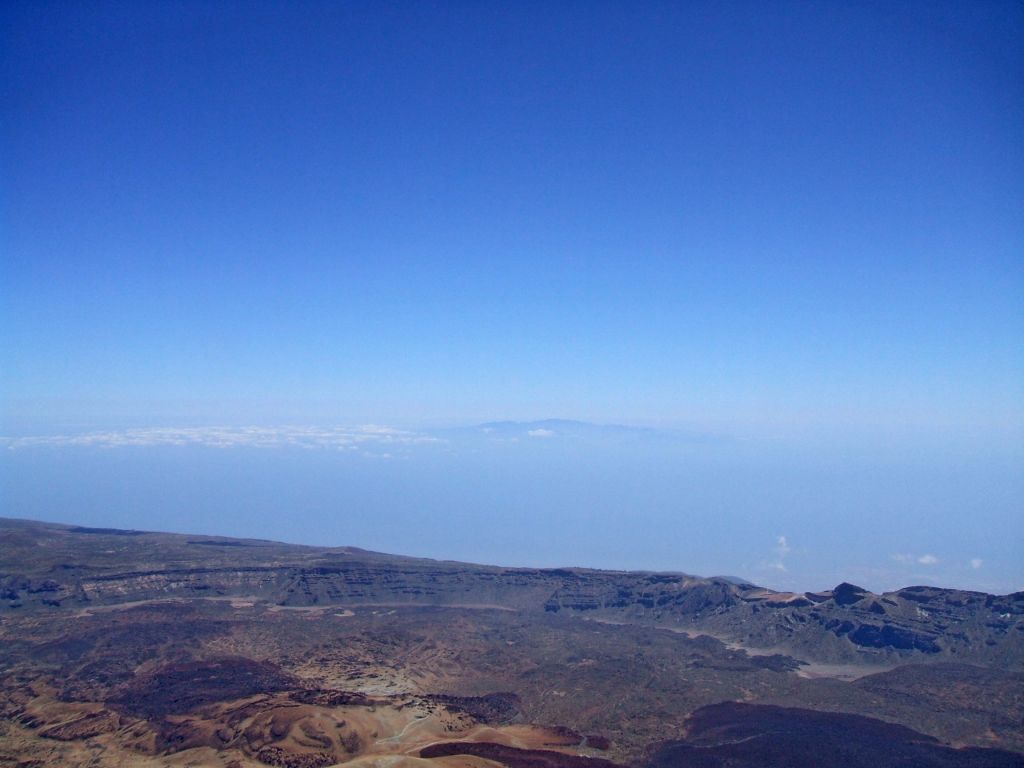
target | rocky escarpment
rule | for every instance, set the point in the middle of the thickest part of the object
(913, 621)
(657, 594)
(287, 585)
(48, 567)
(848, 623)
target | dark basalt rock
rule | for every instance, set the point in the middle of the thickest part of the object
(106, 531)
(493, 708)
(182, 687)
(840, 627)
(920, 594)
(1012, 604)
(325, 697)
(516, 758)
(796, 602)
(889, 635)
(221, 543)
(776, 662)
(848, 594)
(735, 735)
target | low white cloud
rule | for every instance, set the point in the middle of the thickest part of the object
(976, 563)
(541, 432)
(340, 438)
(909, 559)
(782, 549)
(377, 429)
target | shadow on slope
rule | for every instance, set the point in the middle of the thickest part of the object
(760, 736)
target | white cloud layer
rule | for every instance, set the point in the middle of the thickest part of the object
(928, 560)
(339, 438)
(541, 432)
(976, 563)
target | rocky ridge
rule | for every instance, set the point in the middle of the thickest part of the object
(47, 567)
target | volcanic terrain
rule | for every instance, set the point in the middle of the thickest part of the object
(128, 648)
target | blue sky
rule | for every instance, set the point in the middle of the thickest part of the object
(794, 226)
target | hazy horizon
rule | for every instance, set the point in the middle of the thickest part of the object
(548, 494)
(786, 239)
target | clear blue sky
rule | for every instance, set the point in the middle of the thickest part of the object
(762, 221)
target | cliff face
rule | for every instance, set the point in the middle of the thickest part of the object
(48, 568)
